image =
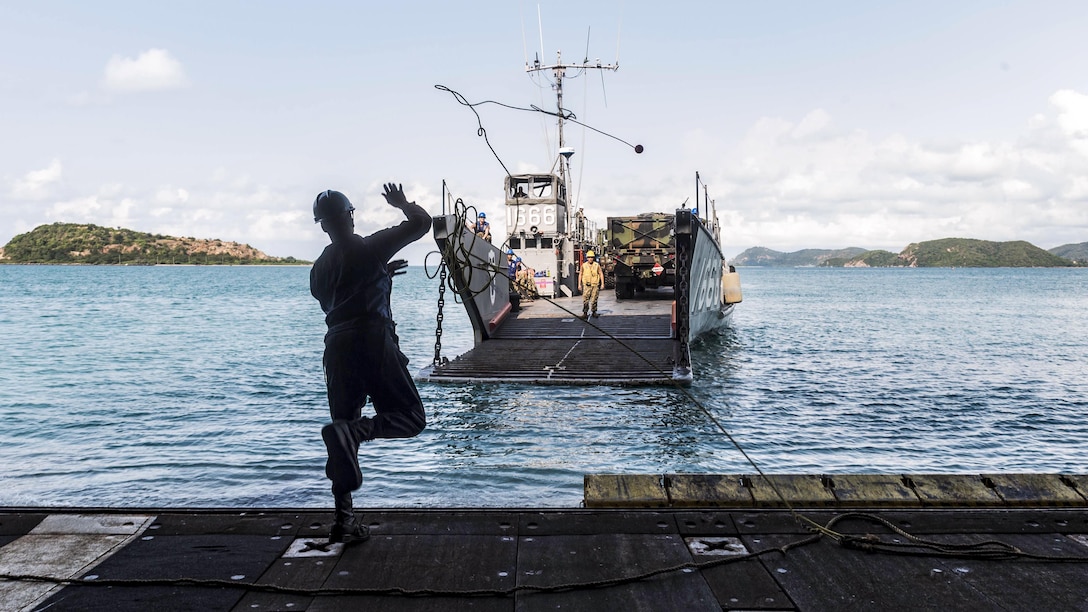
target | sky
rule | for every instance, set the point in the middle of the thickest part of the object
(812, 124)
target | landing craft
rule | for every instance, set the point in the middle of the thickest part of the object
(669, 281)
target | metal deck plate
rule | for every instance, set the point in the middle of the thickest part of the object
(623, 327)
(564, 360)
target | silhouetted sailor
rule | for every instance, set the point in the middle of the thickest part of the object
(352, 280)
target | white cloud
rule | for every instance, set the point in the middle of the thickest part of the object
(792, 185)
(1073, 118)
(1072, 112)
(1077, 190)
(271, 225)
(168, 196)
(152, 70)
(813, 124)
(111, 190)
(233, 208)
(788, 184)
(87, 209)
(121, 213)
(36, 185)
(109, 207)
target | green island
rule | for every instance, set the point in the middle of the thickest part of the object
(73, 243)
(943, 253)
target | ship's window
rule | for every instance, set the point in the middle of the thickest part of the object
(515, 243)
(545, 243)
(542, 190)
(530, 243)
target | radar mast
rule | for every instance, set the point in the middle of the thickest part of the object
(559, 71)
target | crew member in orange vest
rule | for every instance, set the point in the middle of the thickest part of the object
(590, 282)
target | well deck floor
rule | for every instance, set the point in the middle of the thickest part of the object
(547, 342)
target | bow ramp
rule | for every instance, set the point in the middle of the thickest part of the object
(546, 342)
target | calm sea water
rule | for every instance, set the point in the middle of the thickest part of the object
(202, 386)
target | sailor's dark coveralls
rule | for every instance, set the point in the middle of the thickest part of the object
(362, 357)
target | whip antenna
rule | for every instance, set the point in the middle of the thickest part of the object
(524, 39)
(619, 27)
(540, 26)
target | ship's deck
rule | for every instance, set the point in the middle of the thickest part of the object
(994, 542)
(547, 342)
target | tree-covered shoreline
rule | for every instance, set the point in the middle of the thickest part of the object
(942, 253)
(89, 244)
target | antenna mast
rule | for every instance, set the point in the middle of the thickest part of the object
(559, 71)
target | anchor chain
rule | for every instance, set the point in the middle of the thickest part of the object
(683, 284)
(438, 358)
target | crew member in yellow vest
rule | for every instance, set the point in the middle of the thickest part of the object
(590, 281)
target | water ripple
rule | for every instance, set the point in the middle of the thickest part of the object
(203, 387)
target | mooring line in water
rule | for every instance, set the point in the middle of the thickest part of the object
(916, 546)
(812, 525)
(461, 252)
(494, 271)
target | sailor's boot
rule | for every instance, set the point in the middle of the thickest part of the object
(342, 468)
(346, 527)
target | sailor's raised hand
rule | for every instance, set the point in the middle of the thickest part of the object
(394, 194)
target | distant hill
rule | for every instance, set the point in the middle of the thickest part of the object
(875, 259)
(71, 243)
(969, 253)
(943, 253)
(1077, 253)
(762, 256)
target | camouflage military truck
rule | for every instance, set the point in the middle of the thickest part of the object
(641, 253)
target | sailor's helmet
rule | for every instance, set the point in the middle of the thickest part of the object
(329, 204)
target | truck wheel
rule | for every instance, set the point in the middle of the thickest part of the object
(624, 291)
